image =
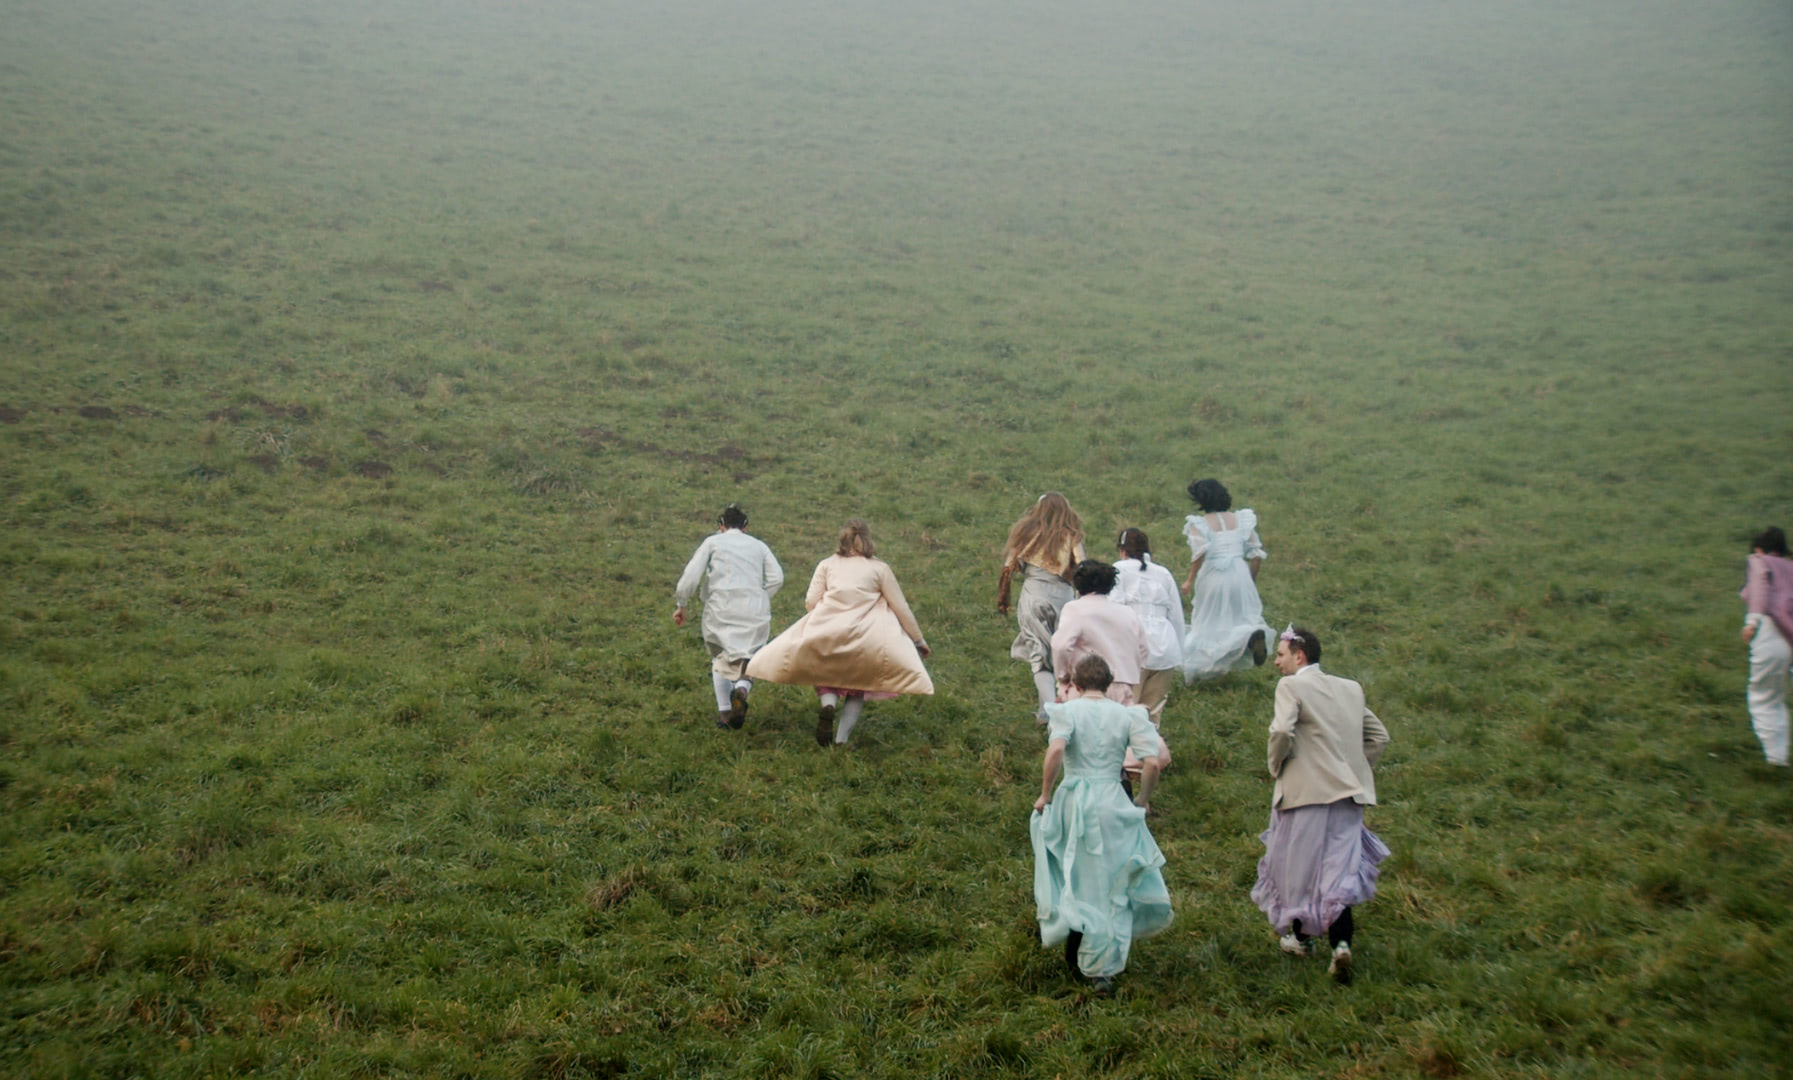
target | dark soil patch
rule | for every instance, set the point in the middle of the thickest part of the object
(315, 464)
(236, 414)
(598, 440)
(137, 410)
(495, 288)
(267, 462)
(98, 412)
(435, 286)
(373, 470)
(432, 467)
(10, 415)
(374, 435)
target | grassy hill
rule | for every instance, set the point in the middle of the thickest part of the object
(368, 372)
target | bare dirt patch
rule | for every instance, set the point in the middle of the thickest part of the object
(432, 467)
(373, 470)
(236, 414)
(435, 286)
(10, 415)
(266, 462)
(598, 440)
(315, 464)
(98, 412)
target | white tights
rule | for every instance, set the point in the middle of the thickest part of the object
(1047, 688)
(726, 686)
(848, 716)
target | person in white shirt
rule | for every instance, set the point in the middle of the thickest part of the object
(1150, 591)
(739, 576)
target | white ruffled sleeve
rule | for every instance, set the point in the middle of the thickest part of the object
(1196, 530)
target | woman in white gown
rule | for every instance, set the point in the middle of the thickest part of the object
(1227, 631)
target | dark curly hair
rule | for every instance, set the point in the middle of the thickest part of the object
(732, 517)
(1093, 576)
(1211, 495)
(1771, 540)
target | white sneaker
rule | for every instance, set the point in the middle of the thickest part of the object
(1293, 945)
(1340, 968)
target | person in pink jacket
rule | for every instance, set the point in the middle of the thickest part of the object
(857, 640)
(1093, 623)
(1768, 629)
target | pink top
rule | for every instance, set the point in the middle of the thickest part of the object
(1095, 624)
(1767, 590)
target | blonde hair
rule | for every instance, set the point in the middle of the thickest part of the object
(1046, 536)
(856, 539)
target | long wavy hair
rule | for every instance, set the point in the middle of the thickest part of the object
(1046, 535)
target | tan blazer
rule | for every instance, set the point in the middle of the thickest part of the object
(858, 635)
(1323, 741)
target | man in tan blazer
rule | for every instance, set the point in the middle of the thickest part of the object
(1319, 859)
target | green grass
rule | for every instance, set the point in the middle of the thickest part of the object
(368, 373)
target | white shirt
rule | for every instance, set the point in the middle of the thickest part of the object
(739, 575)
(1151, 593)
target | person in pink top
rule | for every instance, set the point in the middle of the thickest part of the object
(1768, 628)
(1093, 623)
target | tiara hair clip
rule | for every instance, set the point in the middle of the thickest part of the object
(1288, 635)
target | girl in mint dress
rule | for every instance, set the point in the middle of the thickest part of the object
(1097, 883)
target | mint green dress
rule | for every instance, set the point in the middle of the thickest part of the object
(1096, 868)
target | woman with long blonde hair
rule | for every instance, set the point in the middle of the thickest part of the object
(1045, 545)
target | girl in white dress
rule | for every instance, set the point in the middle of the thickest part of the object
(1227, 631)
(1150, 591)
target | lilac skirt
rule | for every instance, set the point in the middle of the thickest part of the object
(1318, 860)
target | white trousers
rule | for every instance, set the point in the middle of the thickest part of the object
(1769, 656)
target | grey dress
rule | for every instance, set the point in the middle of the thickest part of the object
(1043, 595)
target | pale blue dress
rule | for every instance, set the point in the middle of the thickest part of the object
(1225, 610)
(1096, 868)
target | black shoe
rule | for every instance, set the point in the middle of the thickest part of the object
(737, 708)
(1102, 986)
(722, 721)
(825, 726)
(1258, 652)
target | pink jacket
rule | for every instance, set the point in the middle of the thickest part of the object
(1768, 590)
(1096, 624)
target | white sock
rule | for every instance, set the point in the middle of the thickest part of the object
(849, 715)
(744, 685)
(723, 685)
(829, 699)
(1045, 686)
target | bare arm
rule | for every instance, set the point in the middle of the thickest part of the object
(1148, 779)
(1254, 564)
(1049, 770)
(1195, 564)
